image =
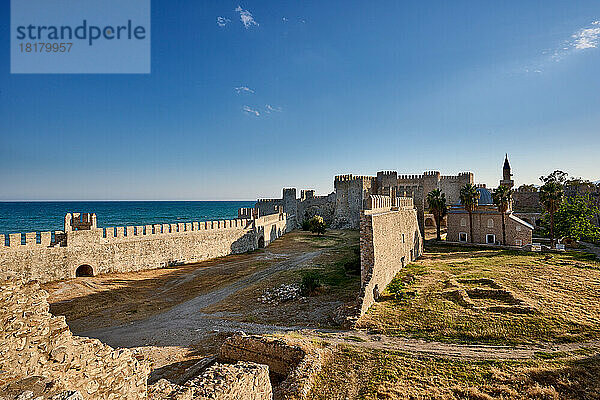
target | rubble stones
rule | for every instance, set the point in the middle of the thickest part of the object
(281, 294)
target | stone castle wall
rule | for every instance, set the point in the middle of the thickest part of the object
(134, 248)
(33, 343)
(341, 209)
(307, 206)
(317, 205)
(526, 201)
(350, 194)
(389, 239)
(352, 191)
(40, 359)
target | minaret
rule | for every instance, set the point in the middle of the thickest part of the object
(506, 175)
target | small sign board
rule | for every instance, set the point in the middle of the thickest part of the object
(536, 247)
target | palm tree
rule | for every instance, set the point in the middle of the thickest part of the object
(469, 198)
(437, 206)
(551, 194)
(502, 197)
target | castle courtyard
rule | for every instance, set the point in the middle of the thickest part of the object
(174, 315)
(456, 323)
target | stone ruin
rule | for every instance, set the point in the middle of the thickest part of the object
(293, 365)
(40, 359)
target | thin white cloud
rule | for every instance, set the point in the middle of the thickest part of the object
(222, 21)
(269, 109)
(249, 110)
(587, 38)
(246, 17)
(243, 89)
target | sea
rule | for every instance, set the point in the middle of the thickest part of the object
(23, 217)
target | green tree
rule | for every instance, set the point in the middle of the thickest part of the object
(551, 194)
(437, 206)
(527, 188)
(575, 218)
(502, 197)
(557, 176)
(317, 225)
(469, 198)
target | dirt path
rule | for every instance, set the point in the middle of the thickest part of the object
(186, 324)
(451, 350)
(190, 322)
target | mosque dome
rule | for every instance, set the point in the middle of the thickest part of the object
(485, 197)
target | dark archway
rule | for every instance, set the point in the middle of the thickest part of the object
(84, 270)
(261, 242)
(429, 222)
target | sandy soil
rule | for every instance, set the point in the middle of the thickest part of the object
(183, 310)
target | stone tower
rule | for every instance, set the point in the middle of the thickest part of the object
(506, 175)
(290, 205)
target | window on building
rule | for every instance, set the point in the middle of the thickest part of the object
(463, 222)
(490, 223)
(462, 237)
(518, 228)
(518, 242)
(490, 239)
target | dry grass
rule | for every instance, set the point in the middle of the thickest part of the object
(361, 374)
(564, 291)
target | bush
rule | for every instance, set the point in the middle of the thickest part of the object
(395, 288)
(317, 225)
(306, 225)
(310, 283)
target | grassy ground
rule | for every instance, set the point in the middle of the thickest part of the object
(562, 290)
(355, 373)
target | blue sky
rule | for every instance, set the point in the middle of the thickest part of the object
(300, 91)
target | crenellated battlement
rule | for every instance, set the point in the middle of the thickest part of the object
(31, 239)
(374, 202)
(80, 222)
(269, 200)
(133, 248)
(382, 202)
(410, 177)
(248, 213)
(131, 232)
(432, 173)
(307, 194)
(87, 222)
(350, 178)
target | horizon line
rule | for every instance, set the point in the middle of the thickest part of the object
(67, 201)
